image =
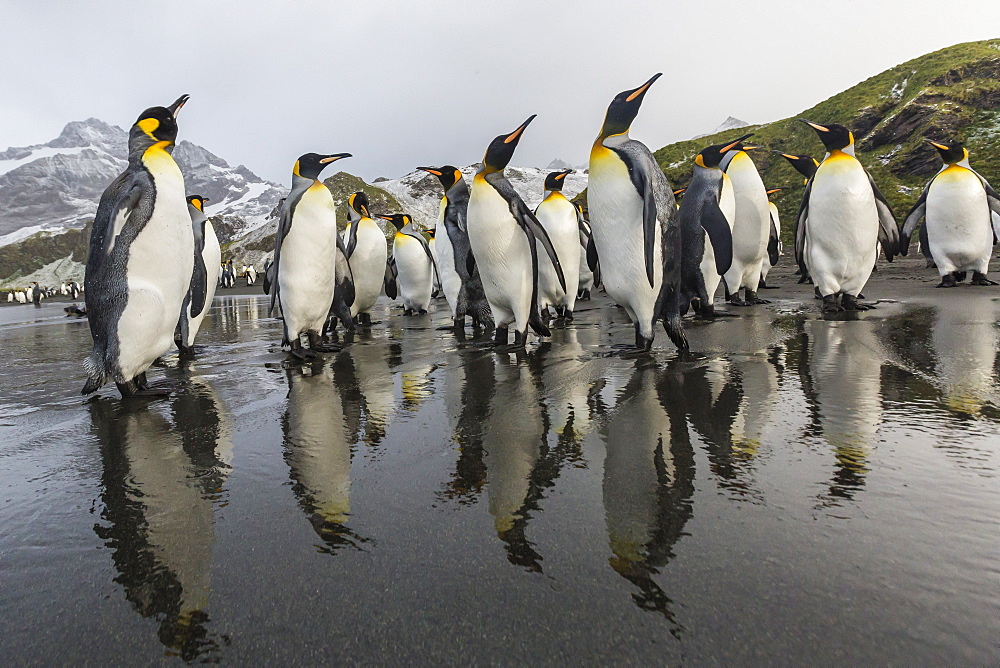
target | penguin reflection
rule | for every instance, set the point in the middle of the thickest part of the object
(469, 380)
(648, 481)
(318, 454)
(843, 387)
(372, 383)
(520, 464)
(965, 340)
(160, 483)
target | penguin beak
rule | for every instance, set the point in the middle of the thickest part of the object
(679, 191)
(364, 210)
(333, 158)
(430, 170)
(175, 108)
(516, 134)
(940, 147)
(732, 145)
(641, 90)
(815, 126)
(774, 190)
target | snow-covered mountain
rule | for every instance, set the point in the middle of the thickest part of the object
(731, 123)
(58, 184)
(420, 193)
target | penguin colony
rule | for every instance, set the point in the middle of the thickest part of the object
(155, 259)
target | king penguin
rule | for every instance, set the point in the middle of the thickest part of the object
(460, 280)
(559, 218)
(503, 232)
(751, 227)
(635, 225)
(414, 265)
(842, 221)
(774, 246)
(204, 277)
(141, 258)
(305, 256)
(367, 252)
(706, 215)
(961, 212)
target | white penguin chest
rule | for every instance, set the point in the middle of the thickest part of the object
(842, 205)
(957, 207)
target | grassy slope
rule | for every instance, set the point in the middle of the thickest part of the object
(951, 93)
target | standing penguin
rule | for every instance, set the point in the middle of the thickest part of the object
(842, 220)
(305, 255)
(508, 262)
(635, 225)
(803, 164)
(367, 252)
(774, 246)
(251, 275)
(459, 275)
(705, 214)
(36, 294)
(414, 265)
(559, 218)
(141, 258)
(751, 227)
(958, 207)
(204, 277)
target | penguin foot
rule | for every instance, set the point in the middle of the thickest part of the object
(407, 311)
(567, 315)
(830, 304)
(736, 301)
(816, 294)
(752, 298)
(850, 303)
(960, 275)
(948, 281)
(327, 348)
(302, 354)
(979, 278)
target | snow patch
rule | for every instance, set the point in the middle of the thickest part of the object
(37, 154)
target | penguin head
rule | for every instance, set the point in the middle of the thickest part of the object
(310, 165)
(159, 124)
(556, 180)
(624, 108)
(950, 151)
(197, 201)
(447, 175)
(501, 149)
(679, 193)
(834, 137)
(359, 203)
(712, 156)
(430, 233)
(397, 220)
(803, 164)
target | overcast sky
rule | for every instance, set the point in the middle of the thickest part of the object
(401, 84)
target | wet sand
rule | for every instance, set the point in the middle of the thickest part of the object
(797, 489)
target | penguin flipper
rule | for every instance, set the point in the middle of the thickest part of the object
(888, 234)
(593, 261)
(344, 275)
(118, 203)
(532, 228)
(389, 282)
(717, 227)
(913, 219)
(284, 227)
(801, 221)
(772, 243)
(352, 241)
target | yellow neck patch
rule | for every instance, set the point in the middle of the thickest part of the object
(149, 126)
(295, 169)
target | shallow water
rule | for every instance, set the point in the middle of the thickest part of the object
(799, 489)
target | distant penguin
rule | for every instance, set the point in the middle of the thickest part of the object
(10, 297)
(559, 218)
(751, 227)
(36, 294)
(634, 220)
(367, 252)
(590, 272)
(268, 274)
(204, 277)
(305, 256)
(141, 258)
(774, 246)
(961, 214)
(503, 232)
(251, 275)
(414, 265)
(706, 220)
(228, 275)
(21, 298)
(842, 221)
(460, 280)
(74, 290)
